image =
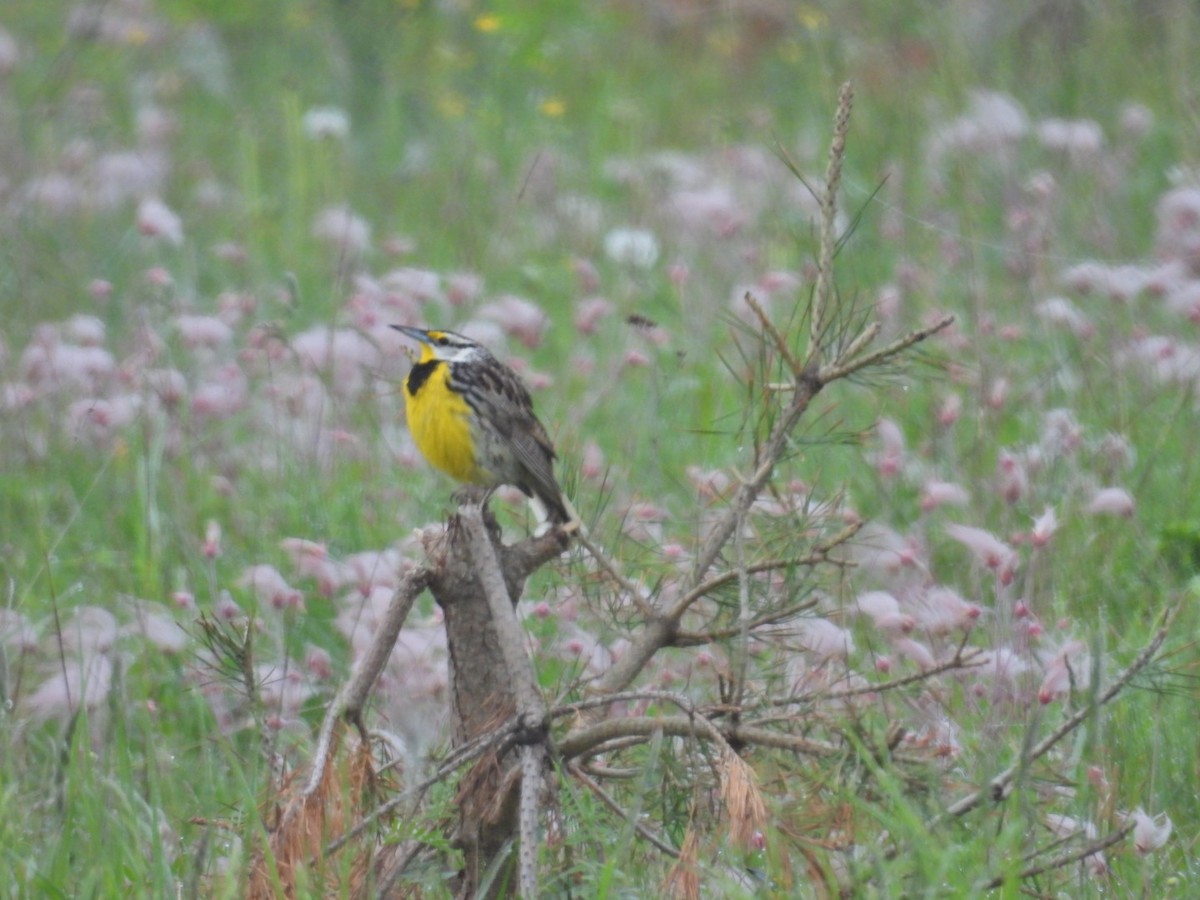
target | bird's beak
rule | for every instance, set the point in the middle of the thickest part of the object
(415, 333)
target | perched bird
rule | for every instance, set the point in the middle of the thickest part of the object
(471, 417)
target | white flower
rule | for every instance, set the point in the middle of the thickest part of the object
(326, 122)
(631, 247)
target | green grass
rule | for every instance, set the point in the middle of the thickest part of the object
(459, 135)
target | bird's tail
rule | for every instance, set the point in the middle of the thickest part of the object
(556, 510)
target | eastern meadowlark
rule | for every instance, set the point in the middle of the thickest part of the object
(470, 416)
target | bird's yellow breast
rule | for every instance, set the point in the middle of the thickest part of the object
(440, 423)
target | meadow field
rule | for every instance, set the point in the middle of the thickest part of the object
(212, 212)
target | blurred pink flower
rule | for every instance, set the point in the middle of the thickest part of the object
(342, 230)
(1012, 482)
(915, 651)
(99, 289)
(77, 682)
(160, 630)
(589, 312)
(84, 330)
(883, 550)
(49, 362)
(203, 331)
(884, 611)
(223, 395)
(1060, 312)
(520, 318)
(1111, 501)
(1068, 665)
(463, 288)
(824, 639)
(950, 410)
(709, 210)
(587, 276)
(409, 290)
(1178, 236)
(940, 611)
(987, 549)
(943, 493)
(1081, 140)
(591, 462)
(318, 662)
(890, 458)
(156, 220)
(212, 539)
(1001, 664)
(15, 631)
(1044, 527)
(268, 586)
(184, 600)
(226, 608)
(168, 385)
(1150, 834)
(98, 418)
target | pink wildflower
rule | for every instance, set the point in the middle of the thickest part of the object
(520, 318)
(1044, 527)
(1111, 501)
(341, 229)
(987, 549)
(591, 465)
(463, 288)
(890, 458)
(915, 651)
(1060, 312)
(318, 662)
(824, 639)
(884, 611)
(943, 493)
(212, 539)
(269, 586)
(1150, 834)
(589, 312)
(1067, 666)
(80, 682)
(203, 331)
(155, 219)
(586, 274)
(950, 410)
(1012, 482)
(940, 611)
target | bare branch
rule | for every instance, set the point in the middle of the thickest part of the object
(587, 739)
(353, 697)
(531, 709)
(532, 758)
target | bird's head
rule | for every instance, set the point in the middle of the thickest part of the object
(448, 346)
